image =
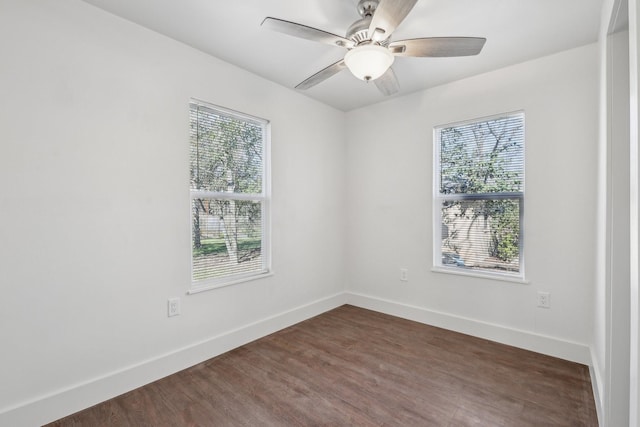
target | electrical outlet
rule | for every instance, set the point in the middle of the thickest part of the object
(404, 275)
(544, 299)
(173, 307)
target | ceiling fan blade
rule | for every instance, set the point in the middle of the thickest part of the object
(388, 83)
(388, 15)
(304, 32)
(438, 46)
(322, 75)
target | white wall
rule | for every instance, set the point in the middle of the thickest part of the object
(95, 208)
(634, 219)
(390, 197)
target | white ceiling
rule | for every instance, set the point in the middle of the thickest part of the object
(516, 31)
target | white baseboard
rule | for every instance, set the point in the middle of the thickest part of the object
(53, 406)
(522, 339)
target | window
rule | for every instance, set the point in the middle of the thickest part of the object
(479, 196)
(229, 196)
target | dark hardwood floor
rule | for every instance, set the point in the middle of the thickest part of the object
(352, 366)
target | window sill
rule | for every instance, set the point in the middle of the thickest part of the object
(477, 274)
(204, 288)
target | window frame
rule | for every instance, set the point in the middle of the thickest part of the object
(439, 198)
(264, 197)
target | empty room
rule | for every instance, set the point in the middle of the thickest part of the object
(336, 212)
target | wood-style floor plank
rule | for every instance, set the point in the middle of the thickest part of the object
(352, 366)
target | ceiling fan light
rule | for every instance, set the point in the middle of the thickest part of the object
(368, 62)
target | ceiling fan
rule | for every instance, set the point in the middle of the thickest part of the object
(370, 50)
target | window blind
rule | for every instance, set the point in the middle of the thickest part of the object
(480, 194)
(228, 198)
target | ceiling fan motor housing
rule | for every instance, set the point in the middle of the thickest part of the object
(359, 30)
